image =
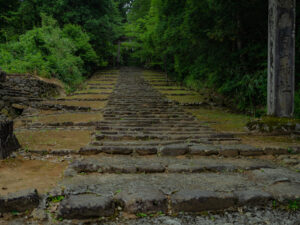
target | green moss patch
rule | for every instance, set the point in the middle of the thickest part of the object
(53, 139)
(221, 120)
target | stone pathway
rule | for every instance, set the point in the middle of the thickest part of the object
(146, 157)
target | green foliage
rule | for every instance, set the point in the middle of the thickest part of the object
(56, 199)
(141, 215)
(50, 52)
(81, 37)
(294, 205)
(205, 43)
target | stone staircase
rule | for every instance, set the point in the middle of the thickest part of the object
(149, 157)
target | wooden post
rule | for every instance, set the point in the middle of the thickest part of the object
(281, 58)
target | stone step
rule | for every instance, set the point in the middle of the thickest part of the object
(162, 129)
(208, 135)
(46, 106)
(21, 201)
(177, 149)
(128, 164)
(93, 195)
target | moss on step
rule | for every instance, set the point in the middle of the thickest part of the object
(273, 124)
(221, 120)
(178, 92)
(60, 118)
(283, 141)
(53, 139)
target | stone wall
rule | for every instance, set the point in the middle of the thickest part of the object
(16, 93)
(8, 141)
(22, 90)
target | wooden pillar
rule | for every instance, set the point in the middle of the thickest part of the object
(281, 58)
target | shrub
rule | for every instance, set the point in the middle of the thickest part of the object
(50, 51)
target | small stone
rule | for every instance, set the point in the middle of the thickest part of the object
(253, 197)
(291, 161)
(199, 200)
(143, 200)
(174, 150)
(275, 151)
(146, 150)
(122, 150)
(90, 150)
(204, 150)
(150, 168)
(39, 214)
(229, 151)
(86, 206)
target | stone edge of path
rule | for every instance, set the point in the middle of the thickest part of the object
(20, 201)
(199, 150)
(151, 201)
(146, 201)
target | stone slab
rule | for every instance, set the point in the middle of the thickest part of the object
(86, 206)
(20, 201)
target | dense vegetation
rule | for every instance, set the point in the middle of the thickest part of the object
(215, 44)
(67, 39)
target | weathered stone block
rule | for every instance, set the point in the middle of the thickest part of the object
(199, 200)
(20, 201)
(86, 206)
(253, 197)
(143, 200)
(204, 150)
(174, 150)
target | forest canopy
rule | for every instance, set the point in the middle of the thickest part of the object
(217, 45)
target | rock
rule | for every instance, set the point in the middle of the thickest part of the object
(19, 201)
(252, 197)
(123, 169)
(146, 150)
(174, 150)
(171, 222)
(122, 150)
(39, 214)
(90, 150)
(2, 76)
(275, 151)
(229, 150)
(290, 161)
(198, 200)
(143, 200)
(86, 206)
(247, 150)
(204, 150)
(8, 141)
(150, 168)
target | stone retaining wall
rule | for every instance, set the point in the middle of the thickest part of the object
(23, 89)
